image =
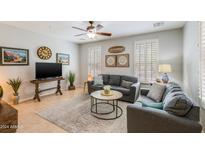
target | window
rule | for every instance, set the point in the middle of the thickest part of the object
(94, 60)
(146, 60)
(202, 63)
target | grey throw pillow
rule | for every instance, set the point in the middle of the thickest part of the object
(156, 92)
(126, 84)
(172, 94)
(178, 105)
(98, 80)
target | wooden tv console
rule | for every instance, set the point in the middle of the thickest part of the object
(37, 82)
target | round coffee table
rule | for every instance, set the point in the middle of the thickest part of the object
(97, 98)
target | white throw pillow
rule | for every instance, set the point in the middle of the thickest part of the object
(98, 80)
(156, 92)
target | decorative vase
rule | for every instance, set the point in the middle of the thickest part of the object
(15, 99)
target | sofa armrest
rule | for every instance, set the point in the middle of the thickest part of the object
(145, 119)
(90, 83)
(134, 91)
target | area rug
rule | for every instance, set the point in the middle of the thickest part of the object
(74, 116)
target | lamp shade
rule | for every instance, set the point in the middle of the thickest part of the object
(165, 68)
(90, 77)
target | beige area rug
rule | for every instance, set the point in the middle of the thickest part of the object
(74, 116)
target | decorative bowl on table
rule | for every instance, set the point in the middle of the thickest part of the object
(107, 91)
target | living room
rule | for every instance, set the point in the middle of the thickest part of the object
(102, 76)
(133, 55)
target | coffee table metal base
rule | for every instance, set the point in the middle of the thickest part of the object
(115, 108)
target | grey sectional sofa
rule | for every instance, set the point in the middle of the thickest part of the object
(148, 116)
(129, 94)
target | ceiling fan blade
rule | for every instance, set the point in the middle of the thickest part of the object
(80, 34)
(104, 33)
(98, 27)
(80, 29)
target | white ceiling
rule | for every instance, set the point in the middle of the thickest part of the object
(64, 30)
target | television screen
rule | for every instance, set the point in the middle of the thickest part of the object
(48, 70)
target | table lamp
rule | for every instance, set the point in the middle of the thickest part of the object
(165, 68)
(90, 77)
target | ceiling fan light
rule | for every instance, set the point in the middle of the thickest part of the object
(91, 35)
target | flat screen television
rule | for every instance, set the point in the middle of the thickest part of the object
(48, 70)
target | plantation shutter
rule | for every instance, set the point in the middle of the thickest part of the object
(146, 60)
(202, 62)
(94, 61)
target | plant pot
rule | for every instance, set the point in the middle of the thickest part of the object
(107, 91)
(71, 87)
(15, 99)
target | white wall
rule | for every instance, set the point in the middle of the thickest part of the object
(170, 50)
(18, 38)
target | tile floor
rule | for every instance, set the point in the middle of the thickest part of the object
(30, 122)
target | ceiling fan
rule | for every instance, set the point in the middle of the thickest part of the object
(92, 30)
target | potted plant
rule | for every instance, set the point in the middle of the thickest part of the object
(15, 84)
(71, 79)
(107, 89)
(1, 93)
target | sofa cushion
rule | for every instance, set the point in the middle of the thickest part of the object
(156, 92)
(98, 80)
(124, 91)
(147, 102)
(126, 84)
(178, 105)
(105, 79)
(129, 78)
(172, 86)
(114, 80)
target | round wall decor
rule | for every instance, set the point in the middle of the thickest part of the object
(123, 60)
(110, 60)
(44, 53)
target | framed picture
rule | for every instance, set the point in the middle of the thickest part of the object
(14, 56)
(123, 60)
(110, 60)
(63, 58)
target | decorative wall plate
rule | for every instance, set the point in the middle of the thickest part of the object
(44, 53)
(116, 49)
(110, 60)
(123, 60)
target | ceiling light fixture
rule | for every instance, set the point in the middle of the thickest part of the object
(91, 35)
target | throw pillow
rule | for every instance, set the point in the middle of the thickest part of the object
(98, 80)
(172, 94)
(178, 105)
(156, 92)
(126, 84)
